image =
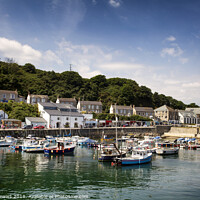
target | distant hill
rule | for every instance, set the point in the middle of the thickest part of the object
(70, 84)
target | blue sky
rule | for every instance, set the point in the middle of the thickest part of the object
(154, 42)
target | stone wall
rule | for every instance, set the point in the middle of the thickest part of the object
(95, 133)
(183, 132)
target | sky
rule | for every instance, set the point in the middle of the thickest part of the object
(154, 42)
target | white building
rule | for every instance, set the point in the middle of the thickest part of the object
(188, 117)
(60, 115)
(71, 101)
(89, 107)
(34, 99)
(3, 115)
(143, 111)
(121, 110)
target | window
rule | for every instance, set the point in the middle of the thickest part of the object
(33, 100)
(75, 125)
(75, 119)
(58, 118)
(43, 100)
(4, 95)
(38, 99)
(92, 107)
(67, 118)
(67, 125)
(88, 106)
(12, 96)
(97, 107)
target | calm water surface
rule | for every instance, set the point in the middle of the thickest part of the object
(35, 176)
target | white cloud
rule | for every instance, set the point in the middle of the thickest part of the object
(115, 3)
(84, 58)
(120, 66)
(174, 51)
(191, 85)
(26, 54)
(139, 48)
(171, 82)
(183, 60)
(20, 53)
(171, 38)
(94, 2)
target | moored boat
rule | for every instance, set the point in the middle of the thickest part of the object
(109, 153)
(61, 148)
(136, 158)
(167, 149)
(7, 141)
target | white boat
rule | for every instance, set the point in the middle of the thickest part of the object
(166, 149)
(82, 140)
(34, 145)
(136, 158)
(7, 141)
(110, 152)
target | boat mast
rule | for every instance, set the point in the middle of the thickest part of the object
(116, 126)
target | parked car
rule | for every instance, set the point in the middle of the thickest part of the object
(27, 127)
(125, 125)
(39, 127)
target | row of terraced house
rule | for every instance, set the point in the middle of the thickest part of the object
(163, 113)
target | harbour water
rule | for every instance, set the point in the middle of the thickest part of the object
(36, 176)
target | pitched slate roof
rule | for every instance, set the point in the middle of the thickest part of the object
(39, 96)
(123, 107)
(61, 109)
(90, 103)
(63, 113)
(36, 119)
(187, 113)
(163, 108)
(195, 110)
(144, 109)
(8, 91)
(67, 99)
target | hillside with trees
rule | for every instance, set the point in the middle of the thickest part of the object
(68, 84)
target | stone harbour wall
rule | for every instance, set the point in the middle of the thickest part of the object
(180, 132)
(94, 133)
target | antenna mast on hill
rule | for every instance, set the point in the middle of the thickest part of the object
(70, 67)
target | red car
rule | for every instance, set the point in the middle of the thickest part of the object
(39, 127)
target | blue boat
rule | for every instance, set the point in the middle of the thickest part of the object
(136, 158)
(61, 148)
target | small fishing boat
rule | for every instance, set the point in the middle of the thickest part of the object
(82, 141)
(61, 148)
(136, 158)
(17, 145)
(167, 149)
(7, 141)
(109, 153)
(31, 145)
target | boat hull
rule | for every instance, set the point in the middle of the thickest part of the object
(110, 158)
(59, 151)
(131, 161)
(167, 151)
(35, 150)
